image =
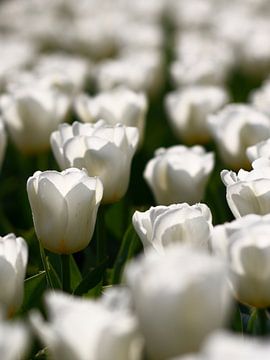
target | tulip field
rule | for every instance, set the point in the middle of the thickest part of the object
(135, 180)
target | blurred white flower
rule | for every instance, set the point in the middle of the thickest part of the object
(260, 98)
(188, 109)
(245, 245)
(117, 297)
(64, 208)
(103, 150)
(14, 341)
(223, 346)
(15, 54)
(162, 226)
(183, 15)
(119, 105)
(248, 192)
(180, 297)
(201, 58)
(202, 70)
(74, 68)
(31, 114)
(13, 262)
(79, 329)
(179, 174)
(140, 71)
(261, 149)
(255, 53)
(140, 35)
(235, 128)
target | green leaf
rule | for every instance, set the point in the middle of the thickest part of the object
(33, 291)
(129, 247)
(92, 279)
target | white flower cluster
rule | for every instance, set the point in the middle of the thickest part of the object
(80, 78)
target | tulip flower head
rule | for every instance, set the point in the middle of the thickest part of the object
(188, 110)
(64, 207)
(119, 105)
(223, 345)
(179, 174)
(33, 110)
(79, 329)
(235, 128)
(261, 149)
(103, 150)
(14, 340)
(162, 226)
(248, 192)
(245, 245)
(180, 297)
(13, 262)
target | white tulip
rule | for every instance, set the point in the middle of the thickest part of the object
(139, 71)
(248, 192)
(119, 105)
(235, 128)
(74, 68)
(260, 98)
(188, 110)
(161, 226)
(80, 329)
(180, 297)
(104, 150)
(224, 346)
(202, 70)
(13, 262)
(14, 341)
(261, 149)
(64, 208)
(245, 245)
(32, 114)
(179, 174)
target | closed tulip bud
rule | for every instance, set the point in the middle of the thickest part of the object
(119, 105)
(13, 262)
(245, 245)
(179, 174)
(103, 150)
(64, 208)
(188, 110)
(161, 226)
(3, 141)
(180, 297)
(32, 114)
(235, 128)
(248, 192)
(80, 329)
(261, 149)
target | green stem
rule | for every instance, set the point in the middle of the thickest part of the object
(45, 266)
(101, 235)
(65, 273)
(251, 321)
(258, 322)
(262, 321)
